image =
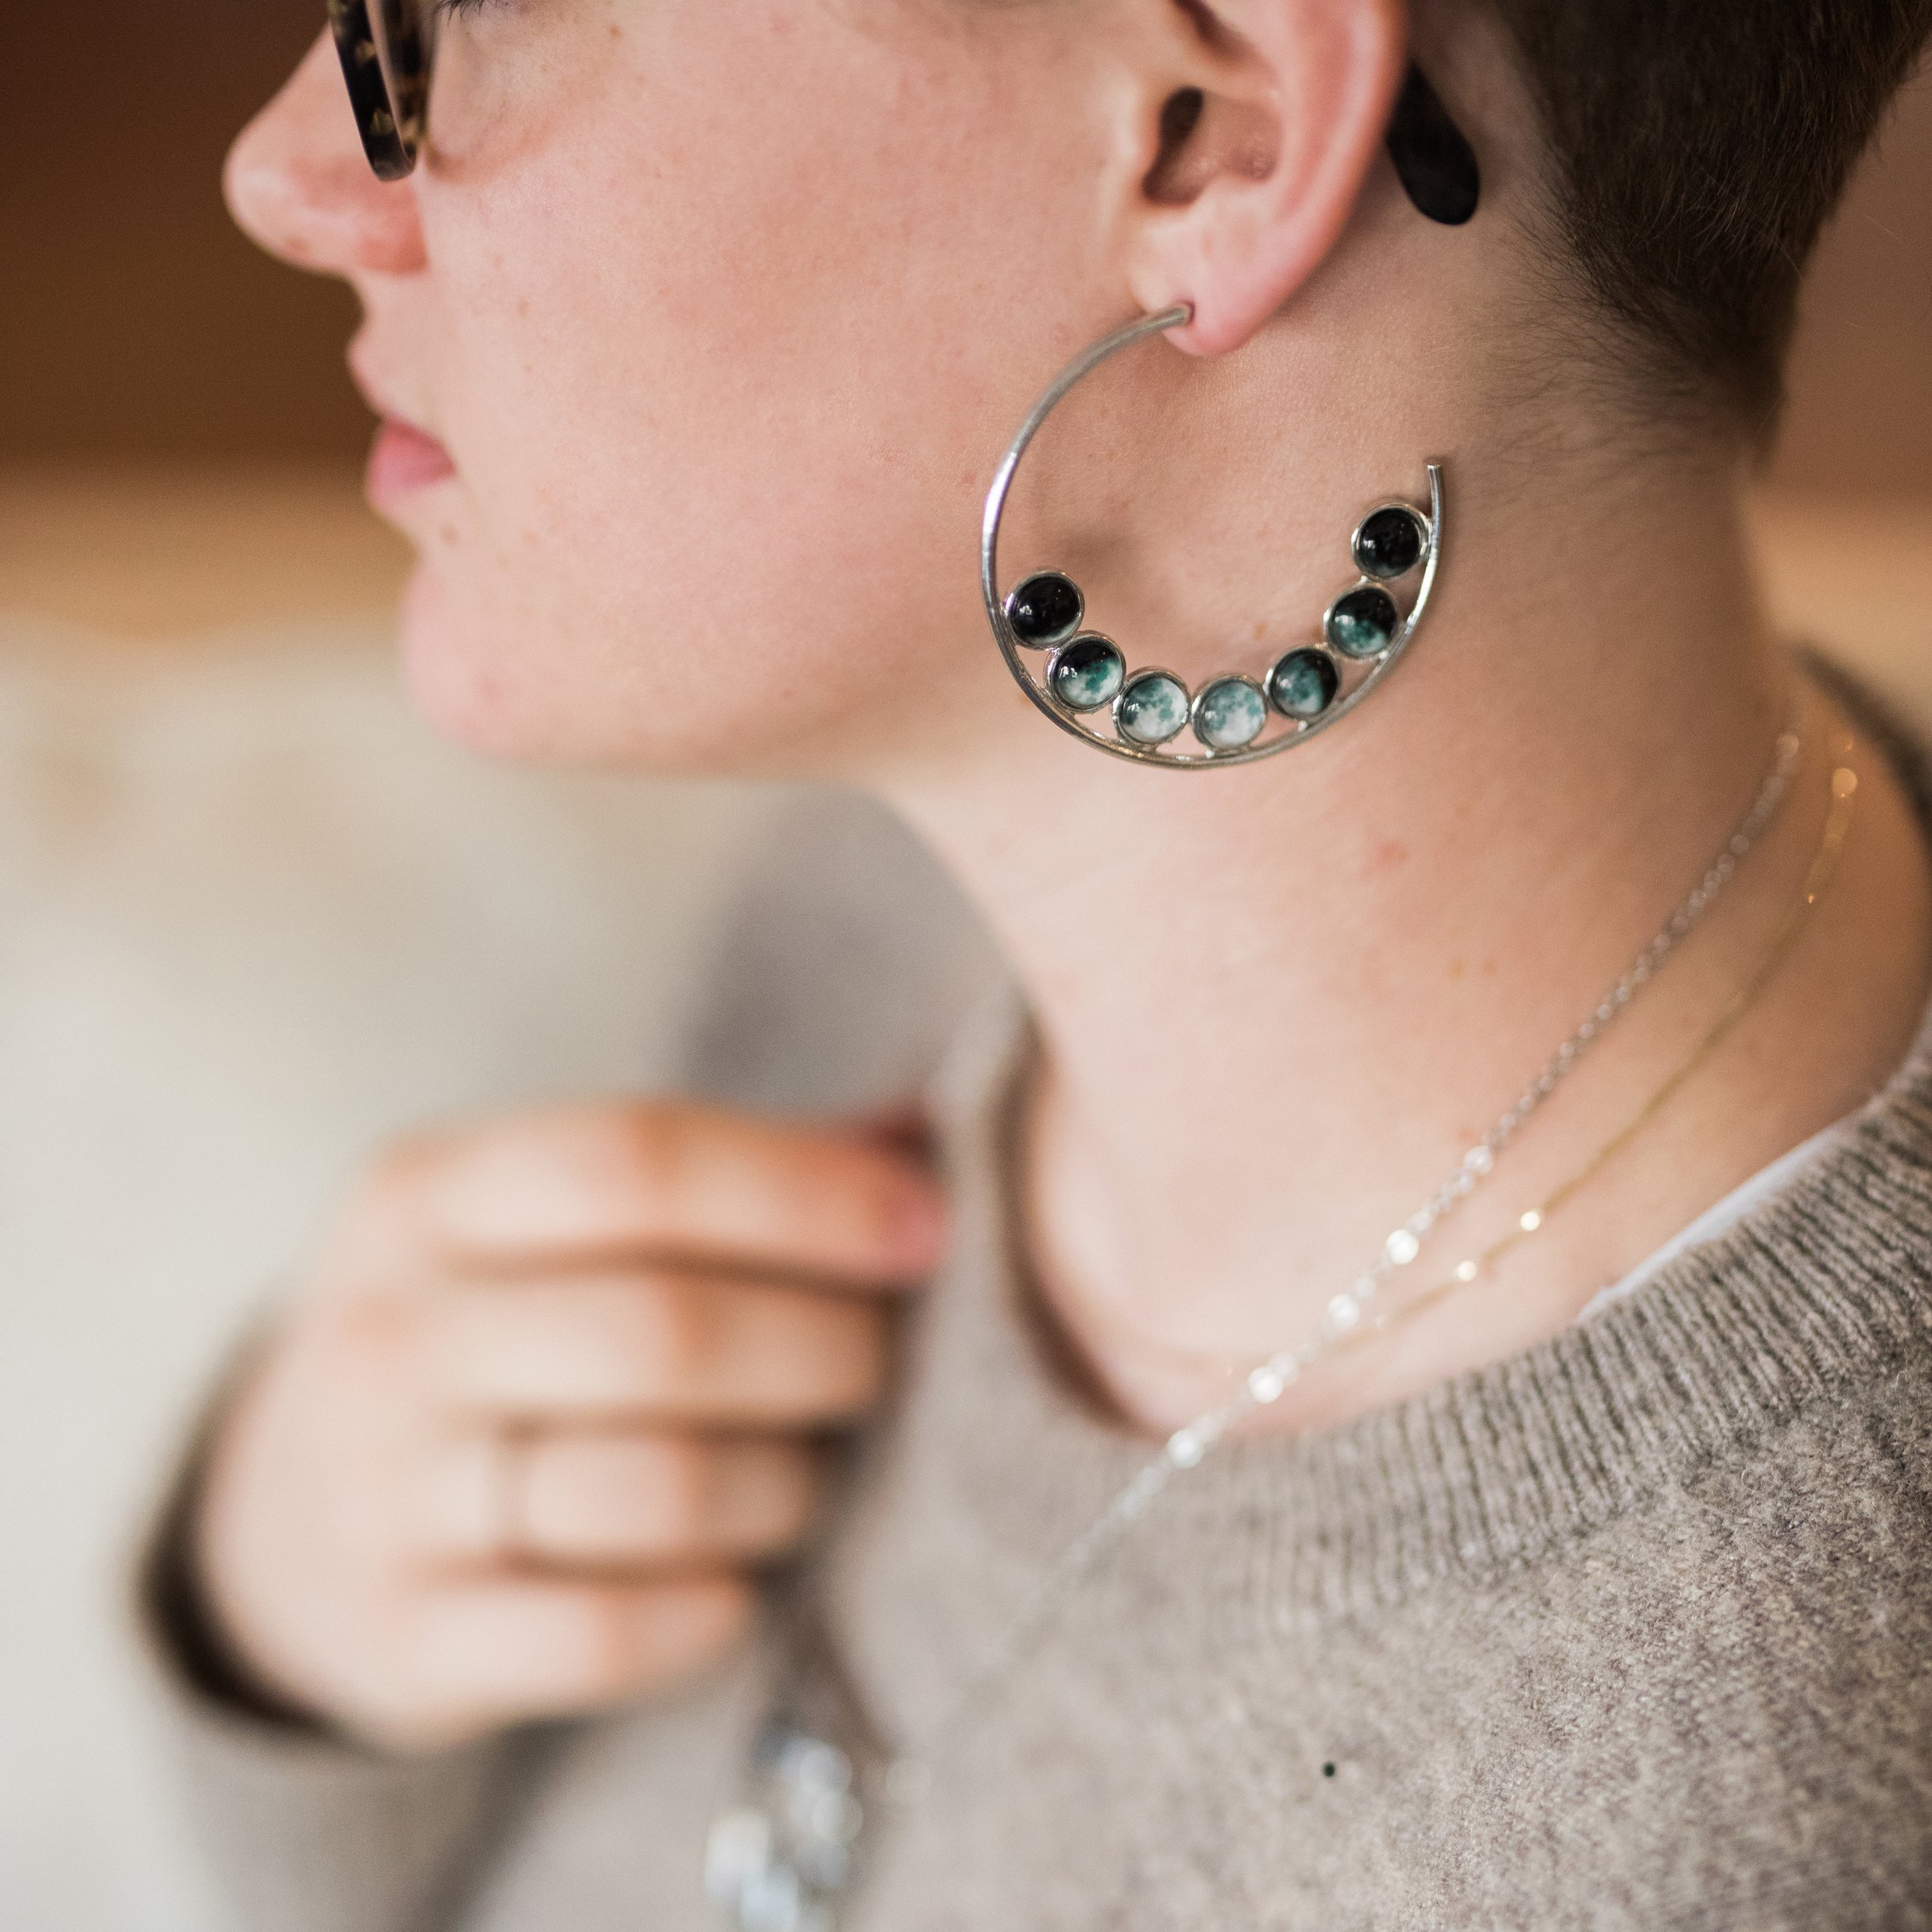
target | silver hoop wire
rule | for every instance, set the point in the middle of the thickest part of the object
(1292, 731)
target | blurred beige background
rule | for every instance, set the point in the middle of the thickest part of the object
(253, 918)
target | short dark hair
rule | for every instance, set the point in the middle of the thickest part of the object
(1698, 146)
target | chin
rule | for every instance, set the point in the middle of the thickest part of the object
(455, 670)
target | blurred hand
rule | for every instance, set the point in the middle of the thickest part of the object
(551, 1392)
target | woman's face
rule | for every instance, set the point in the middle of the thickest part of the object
(722, 313)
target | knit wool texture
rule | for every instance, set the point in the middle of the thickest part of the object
(1630, 1630)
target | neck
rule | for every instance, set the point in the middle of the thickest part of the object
(1276, 1004)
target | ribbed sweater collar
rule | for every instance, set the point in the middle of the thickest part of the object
(1827, 1280)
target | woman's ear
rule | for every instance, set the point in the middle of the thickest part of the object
(1254, 125)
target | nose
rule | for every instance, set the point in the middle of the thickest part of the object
(296, 182)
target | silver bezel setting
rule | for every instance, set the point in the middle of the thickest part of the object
(1328, 644)
(1321, 650)
(1079, 616)
(1355, 542)
(1051, 676)
(1268, 711)
(1292, 731)
(1146, 675)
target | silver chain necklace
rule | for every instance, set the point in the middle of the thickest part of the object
(781, 1863)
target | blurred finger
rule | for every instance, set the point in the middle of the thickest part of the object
(656, 1346)
(674, 1180)
(618, 1498)
(479, 1655)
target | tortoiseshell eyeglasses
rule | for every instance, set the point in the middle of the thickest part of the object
(388, 48)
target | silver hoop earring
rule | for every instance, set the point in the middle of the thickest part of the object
(1235, 718)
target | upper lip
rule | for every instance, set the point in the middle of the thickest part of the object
(376, 393)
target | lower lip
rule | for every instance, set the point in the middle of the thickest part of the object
(404, 461)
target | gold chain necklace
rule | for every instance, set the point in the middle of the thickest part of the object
(1743, 997)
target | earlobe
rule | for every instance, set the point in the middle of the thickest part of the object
(1258, 153)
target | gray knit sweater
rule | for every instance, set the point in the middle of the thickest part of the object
(1632, 1631)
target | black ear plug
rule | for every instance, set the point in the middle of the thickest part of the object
(1436, 165)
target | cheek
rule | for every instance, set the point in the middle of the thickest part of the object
(721, 409)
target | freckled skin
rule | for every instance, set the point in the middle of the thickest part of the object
(623, 414)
